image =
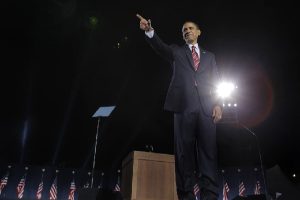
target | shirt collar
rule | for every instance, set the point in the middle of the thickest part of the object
(196, 45)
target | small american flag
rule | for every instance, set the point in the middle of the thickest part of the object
(225, 191)
(197, 191)
(3, 182)
(87, 184)
(72, 190)
(117, 188)
(242, 189)
(257, 188)
(39, 191)
(20, 187)
(53, 190)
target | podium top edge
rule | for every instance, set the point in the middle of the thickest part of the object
(141, 155)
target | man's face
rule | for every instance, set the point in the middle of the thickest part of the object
(190, 33)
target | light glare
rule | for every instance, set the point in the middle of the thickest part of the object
(224, 89)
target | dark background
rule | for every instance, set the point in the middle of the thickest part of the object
(62, 59)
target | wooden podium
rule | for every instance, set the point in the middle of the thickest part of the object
(148, 176)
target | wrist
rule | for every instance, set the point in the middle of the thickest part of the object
(149, 29)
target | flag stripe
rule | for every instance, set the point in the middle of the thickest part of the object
(72, 190)
(20, 188)
(225, 191)
(3, 182)
(242, 189)
(53, 190)
(257, 188)
(40, 190)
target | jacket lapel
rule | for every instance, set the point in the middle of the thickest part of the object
(188, 54)
(202, 58)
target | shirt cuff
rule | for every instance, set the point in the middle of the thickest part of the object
(150, 33)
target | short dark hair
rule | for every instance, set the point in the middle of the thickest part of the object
(197, 26)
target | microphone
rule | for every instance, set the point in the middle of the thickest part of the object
(151, 148)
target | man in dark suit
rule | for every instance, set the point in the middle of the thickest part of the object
(196, 110)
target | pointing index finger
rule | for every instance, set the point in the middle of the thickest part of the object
(139, 16)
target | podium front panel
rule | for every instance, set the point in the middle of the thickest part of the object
(148, 176)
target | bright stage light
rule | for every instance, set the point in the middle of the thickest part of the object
(225, 89)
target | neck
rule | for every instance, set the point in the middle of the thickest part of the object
(192, 43)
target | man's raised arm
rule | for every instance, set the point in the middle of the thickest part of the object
(155, 42)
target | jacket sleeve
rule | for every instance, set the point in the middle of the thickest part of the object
(216, 79)
(160, 47)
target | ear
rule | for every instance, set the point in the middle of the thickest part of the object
(198, 33)
(183, 36)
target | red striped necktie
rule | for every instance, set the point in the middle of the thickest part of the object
(195, 58)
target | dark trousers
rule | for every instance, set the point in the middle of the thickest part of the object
(195, 152)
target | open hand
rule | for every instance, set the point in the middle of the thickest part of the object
(217, 114)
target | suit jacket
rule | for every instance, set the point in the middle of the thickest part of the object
(185, 78)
